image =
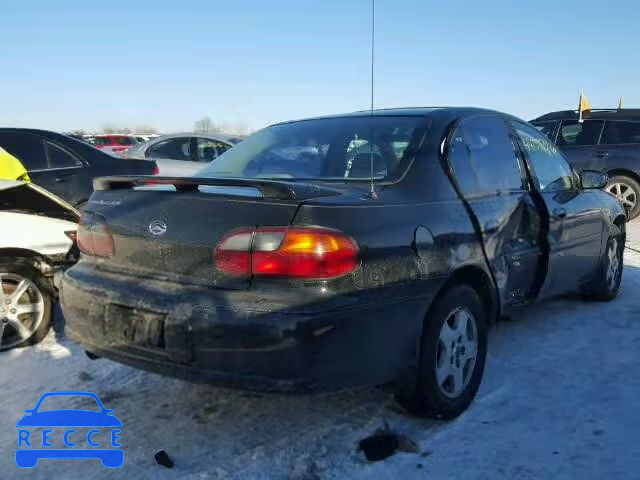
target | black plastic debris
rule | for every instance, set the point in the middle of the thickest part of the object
(378, 447)
(162, 458)
(90, 355)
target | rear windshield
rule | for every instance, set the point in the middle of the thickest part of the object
(327, 149)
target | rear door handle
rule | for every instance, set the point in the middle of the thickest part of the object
(559, 212)
(601, 154)
(60, 179)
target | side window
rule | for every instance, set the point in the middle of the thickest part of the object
(209, 149)
(547, 128)
(27, 148)
(618, 132)
(483, 158)
(59, 158)
(549, 165)
(125, 141)
(575, 134)
(174, 148)
(102, 141)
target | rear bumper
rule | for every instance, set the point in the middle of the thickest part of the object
(256, 340)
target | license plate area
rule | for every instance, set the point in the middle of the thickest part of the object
(134, 326)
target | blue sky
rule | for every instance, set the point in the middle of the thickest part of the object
(69, 64)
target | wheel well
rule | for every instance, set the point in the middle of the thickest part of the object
(623, 173)
(35, 259)
(621, 222)
(482, 283)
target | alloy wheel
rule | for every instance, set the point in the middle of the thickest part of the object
(21, 309)
(613, 264)
(623, 192)
(457, 352)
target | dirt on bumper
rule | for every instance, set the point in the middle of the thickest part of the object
(238, 338)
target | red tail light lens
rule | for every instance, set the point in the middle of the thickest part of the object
(295, 252)
(233, 253)
(94, 236)
(156, 170)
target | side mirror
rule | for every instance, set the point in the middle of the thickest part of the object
(592, 179)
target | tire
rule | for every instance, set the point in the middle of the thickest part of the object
(438, 396)
(37, 297)
(606, 283)
(627, 190)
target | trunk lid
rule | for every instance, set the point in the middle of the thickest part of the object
(168, 227)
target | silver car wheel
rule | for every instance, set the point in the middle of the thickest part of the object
(457, 352)
(623, 192)
(21, 309)
(613, 264)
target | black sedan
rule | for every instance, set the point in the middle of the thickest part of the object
(364, 249)
(64, 165)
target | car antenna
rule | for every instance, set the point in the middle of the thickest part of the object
(372, 191)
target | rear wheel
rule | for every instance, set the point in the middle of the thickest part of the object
(452, 356)
(627, 190)
(25, 304)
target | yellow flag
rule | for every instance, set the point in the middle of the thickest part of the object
(11, 168)
(621, 104)
(583, 107)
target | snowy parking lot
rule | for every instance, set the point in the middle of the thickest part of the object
(560, 399)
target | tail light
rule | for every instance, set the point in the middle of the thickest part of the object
(94, 236)
(155, 170)
(295, 252)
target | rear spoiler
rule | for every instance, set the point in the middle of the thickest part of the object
(273, 189)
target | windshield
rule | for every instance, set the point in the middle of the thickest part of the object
(329, 149)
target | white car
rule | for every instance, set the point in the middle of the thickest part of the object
(182, 154)
(37, 242)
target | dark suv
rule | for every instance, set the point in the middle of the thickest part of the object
(606, 140)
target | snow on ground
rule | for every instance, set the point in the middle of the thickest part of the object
(559, 400)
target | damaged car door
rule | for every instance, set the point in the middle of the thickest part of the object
(491, 179)
(574, 216)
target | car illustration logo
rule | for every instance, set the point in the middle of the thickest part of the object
(84, 433)
(157, 227)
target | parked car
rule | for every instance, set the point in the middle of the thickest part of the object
(63, 165)
(37, 242)
(182, 154)
(145, 137)
(272, 270)
(114, 144)
(607, 140)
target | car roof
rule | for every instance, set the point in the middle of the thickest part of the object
(596, 113)
(29, 130)
(213, 136)
(108, 135)
(408, 112)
